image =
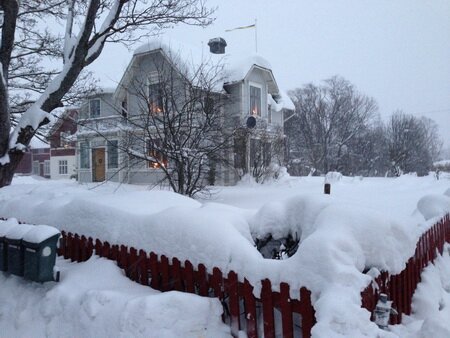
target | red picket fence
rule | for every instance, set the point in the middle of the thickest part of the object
(273, 312)
(270, 313)
(400, 288)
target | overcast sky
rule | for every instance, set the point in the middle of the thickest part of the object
(397, 51)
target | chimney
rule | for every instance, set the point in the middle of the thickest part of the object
(217, 45)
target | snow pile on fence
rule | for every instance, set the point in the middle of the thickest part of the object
(433, 206)
(95, 299)
(338, 241)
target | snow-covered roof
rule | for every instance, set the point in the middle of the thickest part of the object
(59, 116)
(283, 101)
(235, 67)
(106, 90)
(36, 143)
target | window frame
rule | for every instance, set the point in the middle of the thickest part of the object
(91, 114)
(63, 167)
(47, 168)
(154, 96)
(87, 148)
(151, 152)
(36, 165)
(250, 108)
(109, 146)
(269, 113)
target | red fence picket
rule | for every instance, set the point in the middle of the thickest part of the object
(400, 288)
(238, 298)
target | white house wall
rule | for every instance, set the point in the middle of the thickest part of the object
(54, 166)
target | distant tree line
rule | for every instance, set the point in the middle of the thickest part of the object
(337, 128)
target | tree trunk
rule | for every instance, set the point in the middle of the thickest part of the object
(7, 170)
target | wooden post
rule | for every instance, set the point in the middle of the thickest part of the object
(267, 305)
(327, 188)
(286, 311)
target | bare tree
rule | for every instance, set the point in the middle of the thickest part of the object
(414, 143)
(177, 125)
(88, 26)
(328, 120)
(266, 152)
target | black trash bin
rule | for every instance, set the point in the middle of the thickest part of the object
(5, 226)
(40, 253)
(15, 249)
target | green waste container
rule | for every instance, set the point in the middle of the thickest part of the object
(5, 226)
(15, 249)
(40, 253)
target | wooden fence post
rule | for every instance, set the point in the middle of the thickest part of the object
(286, 311)
(232, 287)
(267, 308)
(154, 271)
(307, 312)
(250, 309)
(189, 277)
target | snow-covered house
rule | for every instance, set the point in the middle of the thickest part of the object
(63, 162)
(253, 102)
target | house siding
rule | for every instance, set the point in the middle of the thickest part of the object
(144, 66)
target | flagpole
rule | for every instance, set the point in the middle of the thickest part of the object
(256, 37)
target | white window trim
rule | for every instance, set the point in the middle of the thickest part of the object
(33, 166)
(66, 165)
(89, 155)
(99, 105)
(152, 78)
(107, 155)
(47, 168)
(147, 167)
(256, 85)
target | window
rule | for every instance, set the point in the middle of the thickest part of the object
(113, 154)
(46, 168)
(208, 107)
(62, 164)
(84, 155)
(125, 108)
(94, 108)
(255, 101)
(153, 150)
(269, 114)
(36, 168)
(155, 101)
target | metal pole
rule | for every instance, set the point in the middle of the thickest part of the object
(256, 36)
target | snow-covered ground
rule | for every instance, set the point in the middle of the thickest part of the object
(95, 299)
(365, 223)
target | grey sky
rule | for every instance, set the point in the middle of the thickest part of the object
(395, 51)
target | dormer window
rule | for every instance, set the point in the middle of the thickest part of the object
(155, 101)
(255, 100)
(94, 107)
(155, 94)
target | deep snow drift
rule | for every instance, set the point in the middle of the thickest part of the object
(365, 223)
(95, 299)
